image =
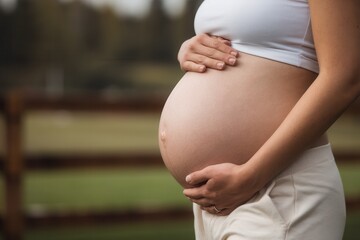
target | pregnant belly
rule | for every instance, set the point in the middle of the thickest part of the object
(225, 116)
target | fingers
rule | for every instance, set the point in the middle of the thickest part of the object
(223, 40)
(204, 51)
(193, 67)
(206, 199)
(216, 210)
(203, 202)
(214, 48)
(199, 177)
(201, 183)
(225, 212)
(211, 58)
(200, 195)
(212, 209)
(214, 42)
(196, 61)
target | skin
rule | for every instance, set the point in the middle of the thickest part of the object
(226, 116)
(337, 36)
(204, 51)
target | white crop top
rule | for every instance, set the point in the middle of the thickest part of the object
(279, 30)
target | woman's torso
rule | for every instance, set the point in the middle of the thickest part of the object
(225, 116)
(275, 29)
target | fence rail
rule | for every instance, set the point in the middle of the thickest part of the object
(86, 161)
(14, 164)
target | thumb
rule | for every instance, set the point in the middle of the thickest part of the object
(198, 177)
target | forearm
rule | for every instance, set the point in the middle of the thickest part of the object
(325, 100)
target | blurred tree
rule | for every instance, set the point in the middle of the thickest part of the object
(5, 30)
(111, 38)
(23, 32)
(51, 32)
(182, 28)
(155, 34)
(72, 43)
(75, 24)
(131, 39)
(188, 18)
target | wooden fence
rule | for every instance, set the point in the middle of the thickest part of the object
(14, 164)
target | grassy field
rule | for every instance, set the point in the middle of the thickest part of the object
(125, 188)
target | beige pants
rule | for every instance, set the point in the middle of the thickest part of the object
(305, 202)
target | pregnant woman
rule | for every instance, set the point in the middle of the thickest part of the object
(244, 130)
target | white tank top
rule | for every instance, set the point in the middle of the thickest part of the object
(279, 30)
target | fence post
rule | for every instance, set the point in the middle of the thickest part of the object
(13, 216)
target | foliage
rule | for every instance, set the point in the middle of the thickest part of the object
(79, 41)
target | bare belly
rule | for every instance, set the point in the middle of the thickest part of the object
(225, 116)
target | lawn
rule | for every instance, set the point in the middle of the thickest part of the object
(103, 189)
(63, 132)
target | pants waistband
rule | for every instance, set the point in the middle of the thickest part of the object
(309, 158)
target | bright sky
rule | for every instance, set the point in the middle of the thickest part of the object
(129, 7)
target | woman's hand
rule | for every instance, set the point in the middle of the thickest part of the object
(220, 189)
(204, 51)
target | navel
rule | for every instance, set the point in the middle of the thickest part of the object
(163, 136)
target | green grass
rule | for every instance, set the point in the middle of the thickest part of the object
(103, 189)
(345, 133)
(55, 132)
(177, 230)
(65, 132)
(128, 188)
(151, 231)
(350, 175)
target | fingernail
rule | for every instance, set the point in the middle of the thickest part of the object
(188, 178)
(232, 61)
(234, 53)
(220, 65)
(202, 68)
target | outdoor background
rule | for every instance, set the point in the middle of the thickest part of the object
(109, 48)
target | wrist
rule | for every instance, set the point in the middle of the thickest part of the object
(253, 176)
